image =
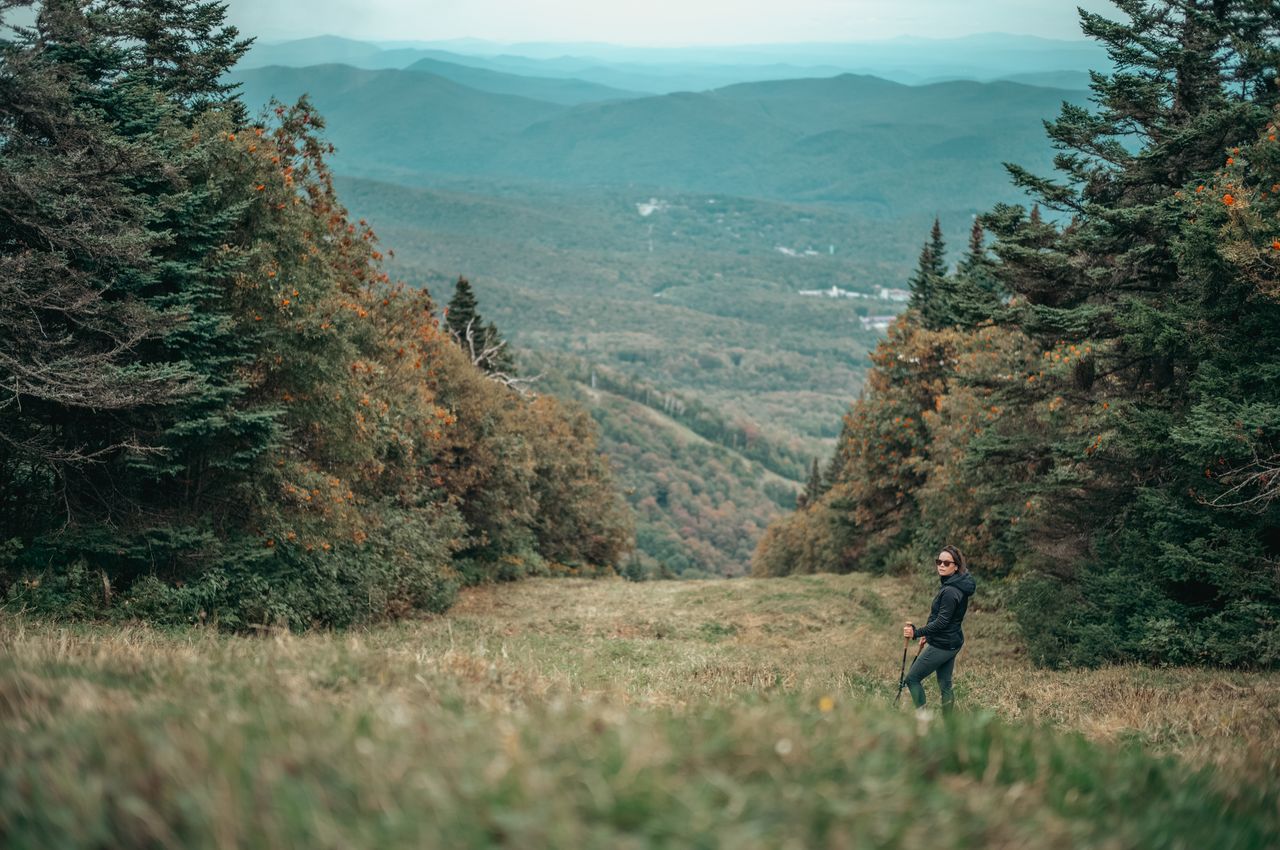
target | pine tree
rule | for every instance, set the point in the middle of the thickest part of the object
(480, 339)
(973, 293)
(928, 283)
(462, 316)
(73, 239)
(183, 50)
(1122, 341)
(813, 488)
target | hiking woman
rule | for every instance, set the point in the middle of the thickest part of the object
(942, 635)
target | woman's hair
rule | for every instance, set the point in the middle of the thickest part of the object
(961, 566)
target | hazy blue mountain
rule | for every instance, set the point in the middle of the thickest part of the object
(984, 56)
(664, 70)
(627, 77)
(336, 50)
(656, 78)
(321, 50)
(1075, 80)
(848, 139)
(399, 123)
(565, 91)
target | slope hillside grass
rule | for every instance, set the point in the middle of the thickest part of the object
(574, 713)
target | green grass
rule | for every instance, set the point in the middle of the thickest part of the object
(570, 713)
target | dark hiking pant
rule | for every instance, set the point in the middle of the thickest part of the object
(933, 660)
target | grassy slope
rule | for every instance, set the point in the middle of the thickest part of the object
(558, 713)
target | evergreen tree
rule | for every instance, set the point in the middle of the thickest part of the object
(150, 509)
(1123, 343)
(928, 284)
(72, 237)
(973, 294)
(181, 49)
(813, 488)
(84, 126)
(937, 249)
(836, 463)
(480, 339)
(976, 254)
(462, 315)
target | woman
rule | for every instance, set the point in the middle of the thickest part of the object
(942, 635)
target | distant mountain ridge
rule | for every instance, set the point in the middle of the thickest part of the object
(660, 70)
(847, 139)
(399, 123)
(559, 90)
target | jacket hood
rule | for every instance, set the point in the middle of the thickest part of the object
(962, 582)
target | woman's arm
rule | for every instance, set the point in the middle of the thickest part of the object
(946, 610)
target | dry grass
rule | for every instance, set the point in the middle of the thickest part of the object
(595, 704)
(673, 643)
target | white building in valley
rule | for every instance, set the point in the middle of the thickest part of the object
(876, 323)
(833, 292)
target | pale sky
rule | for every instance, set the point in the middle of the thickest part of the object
(658, 22)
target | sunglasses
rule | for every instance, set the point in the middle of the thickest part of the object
(941, 563)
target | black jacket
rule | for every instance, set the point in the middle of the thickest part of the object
(943, 630)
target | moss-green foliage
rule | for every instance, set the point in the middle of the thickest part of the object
(239, 418)
(526, 476)
(809, 541)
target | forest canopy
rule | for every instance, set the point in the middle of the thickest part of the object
(215, 404)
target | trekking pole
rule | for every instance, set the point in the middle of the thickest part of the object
(902, 677)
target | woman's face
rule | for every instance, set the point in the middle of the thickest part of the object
(946, 564)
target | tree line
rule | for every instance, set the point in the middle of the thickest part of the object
(1089, 403)
(215, 404)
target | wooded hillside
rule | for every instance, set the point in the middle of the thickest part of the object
(215, 405)
(1090, 402)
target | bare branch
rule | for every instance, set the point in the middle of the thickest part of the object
(1252, 486)
(486, 356)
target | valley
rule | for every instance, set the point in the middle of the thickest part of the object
(729, 249)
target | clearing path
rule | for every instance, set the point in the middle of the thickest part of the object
(558, 713)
